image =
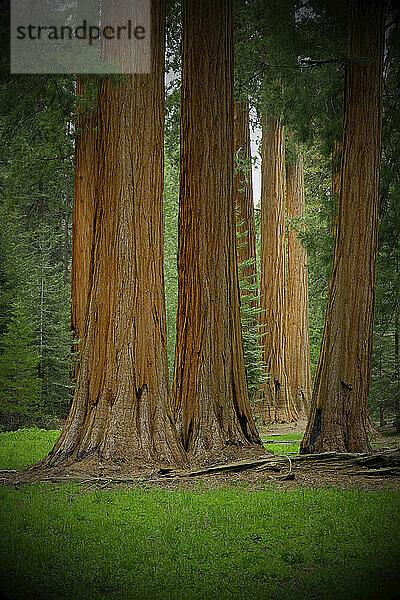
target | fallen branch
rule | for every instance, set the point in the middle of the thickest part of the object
(235, 466)
(380, 464)
(326, 461)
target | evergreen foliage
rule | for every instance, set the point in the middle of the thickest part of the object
(20, 385)
(171, 201)
(250, 310)
(36, 134)
(53, 332)
(252, 348)
(318, 240)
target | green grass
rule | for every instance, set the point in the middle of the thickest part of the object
(61, 544)
(225, 544)
(292, 448)
(283, 436)
(20, 449)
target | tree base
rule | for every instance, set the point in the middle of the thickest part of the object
(92, 466)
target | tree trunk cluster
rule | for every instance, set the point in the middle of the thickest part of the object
(284, 282)
(123, 411)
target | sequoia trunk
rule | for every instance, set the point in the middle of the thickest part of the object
(278, 404)
(121, 410)
(338, 419)
(212, 404)
(243, 197)
(299, 363)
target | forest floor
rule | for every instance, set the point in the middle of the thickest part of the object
(284, 440)
(280, 441)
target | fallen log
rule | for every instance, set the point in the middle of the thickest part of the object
(234, 466)
(383, 472)
(326, 461)
(388, 458)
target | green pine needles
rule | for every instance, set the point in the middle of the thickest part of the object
(20, 385)
(250, 319)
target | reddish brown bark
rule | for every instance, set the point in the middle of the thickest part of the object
(121, 409)
(243, 196)
(210, 389)
(84, 209)
(278, 404)
(338, 419)
(298, 347)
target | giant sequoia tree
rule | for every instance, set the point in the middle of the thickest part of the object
(120, 410)
(338, 412)
(298, 344)
(210, 390)
(278, 403)
(243, 194)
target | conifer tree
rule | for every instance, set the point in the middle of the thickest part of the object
(298, 344)
(210, 390)
(278, 402)
(243, 196)
(338, 417)
(52, 309)
(20, 385)
(121, 407)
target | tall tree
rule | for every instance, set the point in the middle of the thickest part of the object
(243, 194)
(120, 410)
(338, 412)
(210, 390)
(278, 403)
(246, 251)
(384, 398)
(298, 346)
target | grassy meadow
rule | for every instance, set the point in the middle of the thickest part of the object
(60, 542)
